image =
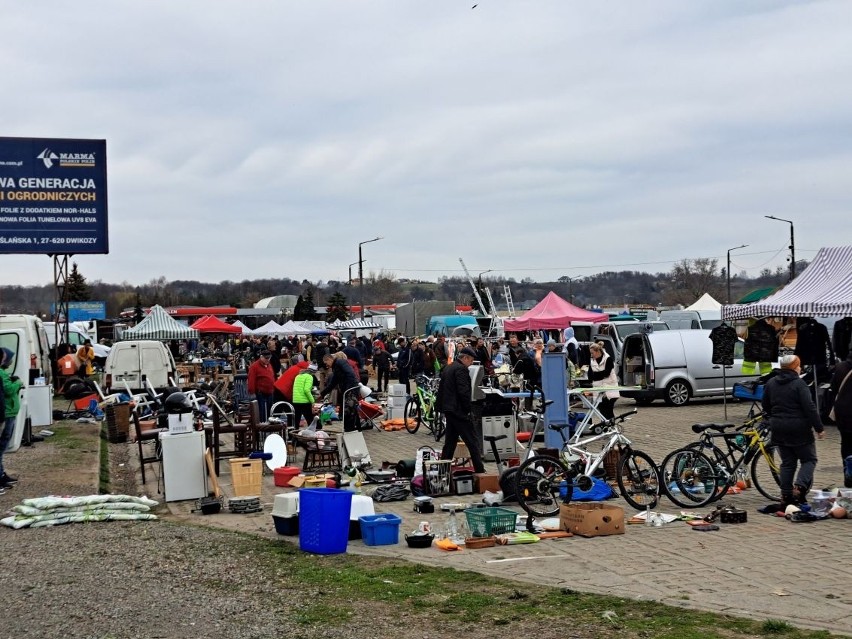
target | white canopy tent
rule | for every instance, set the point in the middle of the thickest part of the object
(704, 303)
(270, 328)
(245, 329)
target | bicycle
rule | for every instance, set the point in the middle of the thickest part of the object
(702, 472)
(543, 483)
(421, 408)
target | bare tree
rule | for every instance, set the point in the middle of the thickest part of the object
(690, 279)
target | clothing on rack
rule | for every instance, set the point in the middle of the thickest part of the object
(760, 348)
(841, 336)
(812, 343)
(724, 338)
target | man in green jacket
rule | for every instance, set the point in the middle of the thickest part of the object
(303, 396)
(11, 387)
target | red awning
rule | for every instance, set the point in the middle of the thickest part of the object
(552, 313)
(210, 324)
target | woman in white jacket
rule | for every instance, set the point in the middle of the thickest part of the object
(602, 374)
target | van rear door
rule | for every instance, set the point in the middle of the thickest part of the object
(125, 366)
(154, 365)
(16, 341)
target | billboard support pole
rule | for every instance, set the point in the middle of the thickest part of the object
(60, 285)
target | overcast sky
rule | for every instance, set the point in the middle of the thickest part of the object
(261, 139)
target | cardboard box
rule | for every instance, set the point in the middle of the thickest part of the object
(591, 519)
(486, 482)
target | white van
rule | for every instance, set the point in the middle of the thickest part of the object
(676, 366)
(678, 320)
(77, 338)
(36, 399)
(135, 362)
(38, 349)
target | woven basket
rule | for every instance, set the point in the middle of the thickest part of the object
(610, 462)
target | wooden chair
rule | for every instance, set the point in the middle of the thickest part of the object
(258, 430)
(222, 425)
(145, 434)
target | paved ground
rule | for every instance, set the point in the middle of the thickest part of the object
(767, 568)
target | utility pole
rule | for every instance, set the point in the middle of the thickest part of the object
(728, 270)
(792, 245)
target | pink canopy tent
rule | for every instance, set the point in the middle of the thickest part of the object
(551, 313)
(212, 324)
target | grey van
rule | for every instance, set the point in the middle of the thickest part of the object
(691, 319)
(676, 366)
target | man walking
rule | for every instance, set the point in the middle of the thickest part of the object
(454, 397)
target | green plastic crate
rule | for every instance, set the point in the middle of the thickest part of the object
(484, 522)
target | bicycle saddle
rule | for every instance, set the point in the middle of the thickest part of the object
(700, 428)
(494, 438)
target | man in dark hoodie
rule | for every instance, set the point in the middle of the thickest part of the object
(793, 419)
(841, 387)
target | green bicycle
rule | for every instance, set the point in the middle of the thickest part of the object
(421, 408)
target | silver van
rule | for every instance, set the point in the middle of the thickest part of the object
(136, 362)
(676, 366)
(691, 319)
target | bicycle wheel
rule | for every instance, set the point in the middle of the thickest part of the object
(764, 474)
(412, 415)
(542, 484)
(689, 478)
(638, 479)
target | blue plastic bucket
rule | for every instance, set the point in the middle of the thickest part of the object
(324, 520)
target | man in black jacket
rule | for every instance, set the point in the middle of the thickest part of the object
(454, 397)
(343, 378)
(793, 420)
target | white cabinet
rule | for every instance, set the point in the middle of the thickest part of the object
(40, 404)
(184, 470)
(500, 425)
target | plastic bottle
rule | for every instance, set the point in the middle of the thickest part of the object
(452, 526)
(648, 515)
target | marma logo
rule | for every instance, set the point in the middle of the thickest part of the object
(67, 159)
(47, 156)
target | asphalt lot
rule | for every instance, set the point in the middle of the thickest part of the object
(766, 568)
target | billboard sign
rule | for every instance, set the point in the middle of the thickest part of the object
(83, 311)
(53, 196)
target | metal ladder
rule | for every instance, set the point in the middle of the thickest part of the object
(510, 305)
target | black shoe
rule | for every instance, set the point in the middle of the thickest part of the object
(4, 485)
(847, 481)
(8, 479)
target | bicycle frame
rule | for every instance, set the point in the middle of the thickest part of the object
(592, 461)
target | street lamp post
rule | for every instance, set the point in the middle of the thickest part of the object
(350, 272)
(792, 245)
(728, 270)
(361, 272)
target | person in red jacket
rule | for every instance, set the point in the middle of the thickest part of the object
(284, 384)
(261, 383)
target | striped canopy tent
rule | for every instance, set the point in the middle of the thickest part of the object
(158, 324)
(354, 323)
(824, 288)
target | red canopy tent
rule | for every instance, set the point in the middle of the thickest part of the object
(551, 313)
(211, 324)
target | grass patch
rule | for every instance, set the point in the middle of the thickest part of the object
(103, 470)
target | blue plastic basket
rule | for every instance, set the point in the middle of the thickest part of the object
(324, 520)
(744, 392)
(380, 530)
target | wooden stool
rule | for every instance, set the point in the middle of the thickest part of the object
(326, 458)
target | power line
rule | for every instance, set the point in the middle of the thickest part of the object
(499, 269)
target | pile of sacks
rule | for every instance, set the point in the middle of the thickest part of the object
(52, 511)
